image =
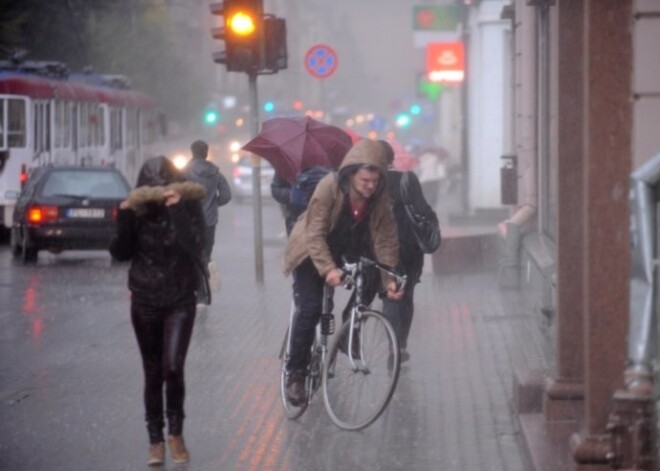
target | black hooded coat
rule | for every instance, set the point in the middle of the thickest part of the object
(163, 243)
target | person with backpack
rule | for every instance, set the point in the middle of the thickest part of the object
(411, 257)
(218, 193)
(295, 198)
(349, 216)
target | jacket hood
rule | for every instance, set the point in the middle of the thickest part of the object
(140, 198)
(364, 152)
(158, 171)
(202, 167)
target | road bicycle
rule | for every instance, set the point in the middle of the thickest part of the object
(360, 369)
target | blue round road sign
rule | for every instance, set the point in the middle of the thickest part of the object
(321, 61)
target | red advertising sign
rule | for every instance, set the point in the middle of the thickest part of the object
(445, 62)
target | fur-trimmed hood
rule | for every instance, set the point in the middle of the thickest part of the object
(139, 198)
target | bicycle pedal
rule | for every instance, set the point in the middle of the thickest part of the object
(327, 324)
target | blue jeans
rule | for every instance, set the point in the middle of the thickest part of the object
(308, 294)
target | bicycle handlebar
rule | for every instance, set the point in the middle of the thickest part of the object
(351, 269)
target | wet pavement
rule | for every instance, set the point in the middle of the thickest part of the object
(71, 379)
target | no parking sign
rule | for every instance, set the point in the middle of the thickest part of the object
(321, 61)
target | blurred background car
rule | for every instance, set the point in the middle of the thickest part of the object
(67, 208)
(241, 179)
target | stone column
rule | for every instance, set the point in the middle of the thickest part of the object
(607, 165)
(564, 392)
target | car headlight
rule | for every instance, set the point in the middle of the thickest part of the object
(180, 161)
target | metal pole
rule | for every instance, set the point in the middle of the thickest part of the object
(256, 184)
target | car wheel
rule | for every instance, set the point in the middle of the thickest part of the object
(16, 248)
(29, 253)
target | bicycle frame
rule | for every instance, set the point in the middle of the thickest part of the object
(354, 279)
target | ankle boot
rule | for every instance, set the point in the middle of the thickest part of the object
(156, 454)
(178, 449)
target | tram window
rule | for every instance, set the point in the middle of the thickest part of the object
(84, 125)
(131, 126)
(16, 123)
(115, 130)
(48, 125)
(58, 124)
(2, 124)
(66, 125)
(100, 126)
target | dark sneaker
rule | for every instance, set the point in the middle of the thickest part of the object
(295, 388)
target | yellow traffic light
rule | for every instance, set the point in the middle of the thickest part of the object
(241, 23)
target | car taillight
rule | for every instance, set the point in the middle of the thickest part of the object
(114, 212)
(24, 175)
(40, 214)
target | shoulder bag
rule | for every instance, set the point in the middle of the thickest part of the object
(424, 223)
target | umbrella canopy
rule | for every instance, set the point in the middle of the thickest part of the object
(294, 144)
(403, 160)
(355, 137)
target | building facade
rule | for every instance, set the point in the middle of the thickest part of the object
(585, 77)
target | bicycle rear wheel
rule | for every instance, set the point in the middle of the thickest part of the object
(358, 387)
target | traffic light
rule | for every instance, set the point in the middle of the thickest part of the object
(403, 120)
(211, 117)
(242, 32)
(275, 50)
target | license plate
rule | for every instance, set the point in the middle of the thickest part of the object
(86, 213)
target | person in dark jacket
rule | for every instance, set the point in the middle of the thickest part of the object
(411, 258)
(160, 229)
(280, 190)
(218, 193)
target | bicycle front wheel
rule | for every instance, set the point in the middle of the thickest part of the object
(359, 383)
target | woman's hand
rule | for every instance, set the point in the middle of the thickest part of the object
(393, 291)
(334, 277)
(124, 205)
(171, 197)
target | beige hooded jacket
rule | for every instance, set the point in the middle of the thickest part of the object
(308, 237)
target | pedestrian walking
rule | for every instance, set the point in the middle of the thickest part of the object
(348, 216)
(218, 193)
(280, 190)
(160, 229)
(411, 258)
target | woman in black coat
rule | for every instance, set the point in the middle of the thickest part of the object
(160, 229)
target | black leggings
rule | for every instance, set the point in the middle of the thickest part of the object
(163, 335)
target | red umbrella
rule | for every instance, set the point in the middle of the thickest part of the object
(403, 160)
(294, 144)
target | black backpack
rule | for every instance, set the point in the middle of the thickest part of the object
(303, 187)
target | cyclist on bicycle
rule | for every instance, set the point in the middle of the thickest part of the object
(349, 215)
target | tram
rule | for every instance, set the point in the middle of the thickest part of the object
(49, 116)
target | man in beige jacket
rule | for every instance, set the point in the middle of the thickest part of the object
(349, 215)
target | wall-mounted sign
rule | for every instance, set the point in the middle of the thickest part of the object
(445, 62)
(435, 17)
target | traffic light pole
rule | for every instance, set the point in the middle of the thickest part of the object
(256, 183)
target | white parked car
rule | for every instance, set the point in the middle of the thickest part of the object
(241, 179)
